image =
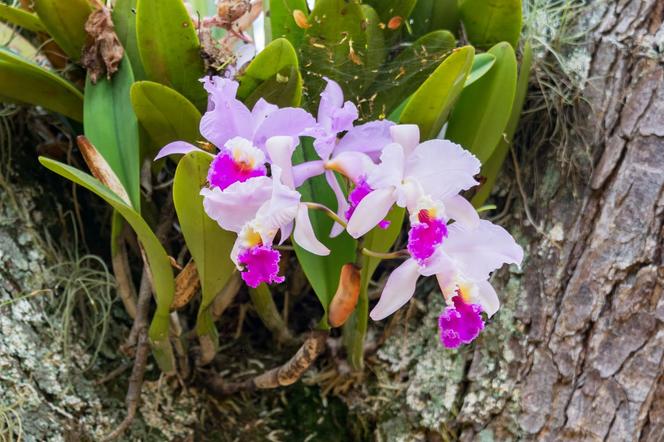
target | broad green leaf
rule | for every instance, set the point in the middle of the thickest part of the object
(431, 104)
(21, 17)
(355, 328)
(160, 266)
(124, 19)
(337, 46)
(210, 246)
(432, 15)
(400, 77)
(281, 19)
(322, 271)
(164, 114)
(169, 48)
(491, 169)
(388, 9)
(375, 50)
(277, 58)
(22, 81)
(479, 118)
(283, 90)
(111, 126)
(490, 22)
(65, 21)
(481, 65)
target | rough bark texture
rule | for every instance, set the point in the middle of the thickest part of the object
(577, 352)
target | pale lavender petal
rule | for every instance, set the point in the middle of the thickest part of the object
(477, 252)
(398, 290)
(324, 145)
(175, 148)
(286, 232)
(288, 121)
(461, 210)
(304, 171)
(442, 168)
(369, 138)
(331, 99)
(280, 149)
(227, 117)
(304, 234)
(372, 210)
(352, 165)
(343, 117)
(233, 207)
(342, 204)
(408, 135)
(262, 109)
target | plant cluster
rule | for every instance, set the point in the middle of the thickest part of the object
(355, 117)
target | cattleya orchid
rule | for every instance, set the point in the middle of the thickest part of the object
(252, 191)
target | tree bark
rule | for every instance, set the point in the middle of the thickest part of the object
(592, 306)
(583, 355)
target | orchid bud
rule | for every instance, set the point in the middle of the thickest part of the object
(345, 299)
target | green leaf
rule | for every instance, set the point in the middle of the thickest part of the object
(387, 9)
(491, 169)
(124, 19)
(160, 266)
(25, 82)
(281, 20)
(164, 114)
(338, 45)
(431, 15)
(322, 271)
(375, 50)
(355, 328)
(490, 22)
(283, 90)
(481, 65)
(111, 126)
(479, 118)
(65, 21)
(400, 77)
(276, 62)
(431, 104)
(22, 18)
(169, 48)
(209, 245)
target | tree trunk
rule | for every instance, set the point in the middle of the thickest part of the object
(585, 357)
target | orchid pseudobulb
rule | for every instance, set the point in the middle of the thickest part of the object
(252, 191)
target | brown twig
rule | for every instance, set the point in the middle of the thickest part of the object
(122, 271)
(135, 384)
(226, 296)
(284, 375)
(114, 373)
(142, 308)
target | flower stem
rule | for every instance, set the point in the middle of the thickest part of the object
(486, 208)
(399, 254)
(329, 212)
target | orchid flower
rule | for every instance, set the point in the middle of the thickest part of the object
(461, 256)
(438, 169)
(240, 134)
(353, 155)
(257, 209)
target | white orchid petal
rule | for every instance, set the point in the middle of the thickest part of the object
(398, 290)
(304, 234)
(462, 211)
(486, 297)
(280, 149)
(442, 168)
(407, 135)
(371, 210)
(390, 171)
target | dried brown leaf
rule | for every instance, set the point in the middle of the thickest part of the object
(103, 51)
